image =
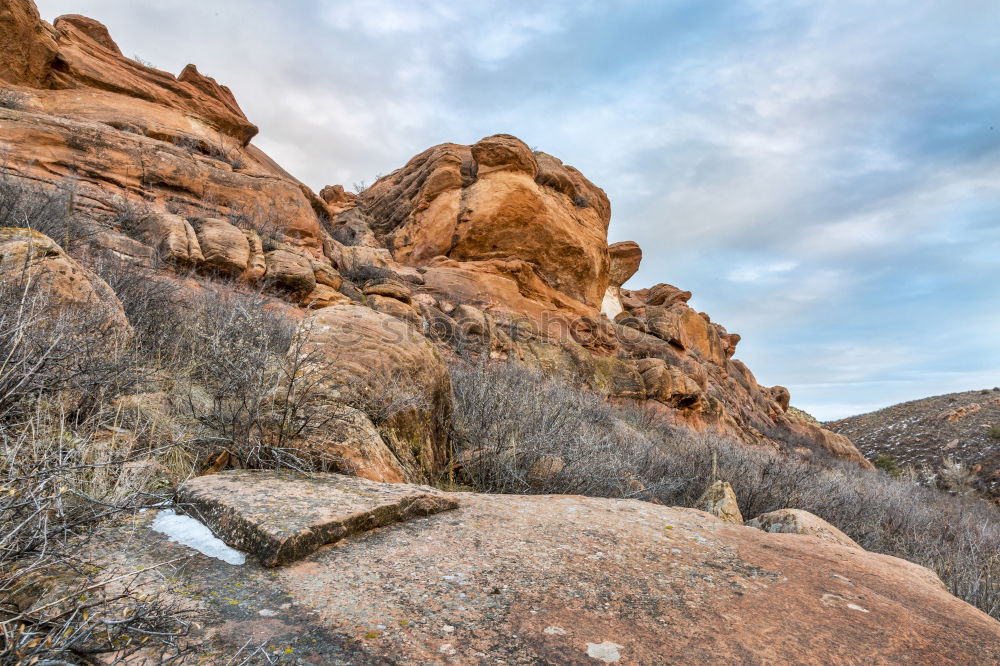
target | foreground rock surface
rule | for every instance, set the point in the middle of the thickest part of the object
(280, 517)
(557, 579)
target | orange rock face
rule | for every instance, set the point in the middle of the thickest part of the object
(29, 256)
(498, 202)
(624, 261)
(126, 131)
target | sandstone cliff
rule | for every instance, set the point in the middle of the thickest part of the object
(491, 247)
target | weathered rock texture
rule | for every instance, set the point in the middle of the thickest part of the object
(522, 238)
(549, 579)
(381, 364)
(126, 130)
(33, 259)
(499, 208)
(719, 499)
(280, 517)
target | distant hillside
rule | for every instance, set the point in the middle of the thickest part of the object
(964, 427)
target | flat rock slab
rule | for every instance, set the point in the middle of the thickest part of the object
(281, 517)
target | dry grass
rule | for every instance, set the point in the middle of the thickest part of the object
(67, 466)
(519, 432)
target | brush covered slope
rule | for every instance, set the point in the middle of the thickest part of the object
(959, 432)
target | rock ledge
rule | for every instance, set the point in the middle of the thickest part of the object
(281, 517)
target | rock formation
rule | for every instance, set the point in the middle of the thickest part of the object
(493, 231)
(719, 499)
(510, 237)
(34, 262)
(797, 521)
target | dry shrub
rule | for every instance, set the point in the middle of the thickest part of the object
(519, 432)
(265, 221)
(47, 209)
(67, 466)
(126, 213)
(49, 351)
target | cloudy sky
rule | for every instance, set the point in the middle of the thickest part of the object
(824, 175)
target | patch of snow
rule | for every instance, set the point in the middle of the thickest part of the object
(605, 651)
(187, 531)
(611, 305)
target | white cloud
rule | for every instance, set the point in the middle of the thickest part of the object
(756, 273)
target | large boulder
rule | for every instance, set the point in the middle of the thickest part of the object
(567, 580)
(385, 368)
(290, 271)
(797, 521)
(497, 200)
(68, 288)
(172, 237)
(224, 247)
(624, 262)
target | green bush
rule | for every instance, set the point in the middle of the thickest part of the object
(887, 464)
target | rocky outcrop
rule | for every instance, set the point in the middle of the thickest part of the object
(27, 44)
(719, 499)
(624, 262)
(165, 167)
(130, 132)
(40, 268)
(496, 203)
(557, 579)
(385, 367)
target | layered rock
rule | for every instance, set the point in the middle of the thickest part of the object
(497, 207)
(513, 233)
(129, 132)
(315, 510)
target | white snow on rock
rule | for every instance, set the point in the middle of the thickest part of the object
(194, 534)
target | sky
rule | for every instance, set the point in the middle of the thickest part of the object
(823, 175)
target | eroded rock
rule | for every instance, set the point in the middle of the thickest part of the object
(719, 499)
(550, 578)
